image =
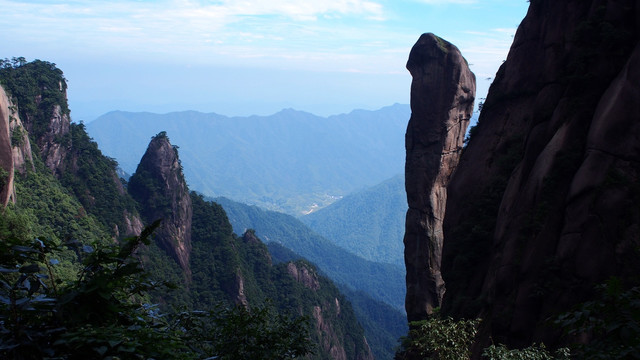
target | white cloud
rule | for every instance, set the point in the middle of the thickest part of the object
(448, 1)
(182, 26)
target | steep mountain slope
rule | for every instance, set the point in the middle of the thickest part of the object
(254, 159)
(57, 200)
(219, 267)
(159, 187)
(383, 324)
(369, 223)
(383, 282)
(543, 205)
(41, 118)
(367, 285)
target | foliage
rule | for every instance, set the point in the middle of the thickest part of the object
(611, 322)
(92, 179)
(17, 136)
(533, 352)
(36, 87)
(239, 333)
(441, 339)
(95, 315)
(102, 312)
(51, 211)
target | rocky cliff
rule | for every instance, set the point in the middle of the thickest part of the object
(37, 112)
(442, 96)
(15, 147)
(7, 190)
(543, 205)
(159, 186)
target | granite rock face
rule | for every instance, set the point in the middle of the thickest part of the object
(159, 186)
(442, 96)
(7, 190)
(543, 205)
(15, 147)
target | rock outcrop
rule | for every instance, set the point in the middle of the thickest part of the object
(15, 147)
(543, 205)
(442, 96)
(305, 277)
(159, 186)
(52, 149)
(7, 190)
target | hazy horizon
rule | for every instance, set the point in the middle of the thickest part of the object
(251, 57)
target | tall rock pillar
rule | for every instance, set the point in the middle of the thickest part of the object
(442, 96)
(159, 186)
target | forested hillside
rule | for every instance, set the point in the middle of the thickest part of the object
(82, 289)
(369, 223)
(383, 282)
(252, 159)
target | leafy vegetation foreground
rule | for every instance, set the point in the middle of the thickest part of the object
(103, 311)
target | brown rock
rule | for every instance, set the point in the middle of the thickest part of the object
(159, 186)
(302, 275)
(442, 96)
(53, 151)
(7, 190)
(543, 205)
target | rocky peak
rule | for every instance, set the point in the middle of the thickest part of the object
(543, 205)
(442, 96)
(43, 107)
(159, 186)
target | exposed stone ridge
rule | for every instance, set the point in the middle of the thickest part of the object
(52, 149)
(442, 96)
(303, 276)
(543, 205)
(21, 145)
(162, 191)
(7, 190)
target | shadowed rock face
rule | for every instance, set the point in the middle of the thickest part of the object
(543, 205)
(159, 186)
(442, 95)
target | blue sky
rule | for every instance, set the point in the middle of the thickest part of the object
(242, 57)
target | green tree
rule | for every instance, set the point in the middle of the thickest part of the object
(103, 313)
(611, 322)
(440, 339)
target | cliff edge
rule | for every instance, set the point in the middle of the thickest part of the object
(442, 95)
(543, 205)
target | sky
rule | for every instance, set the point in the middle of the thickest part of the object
(245, 57)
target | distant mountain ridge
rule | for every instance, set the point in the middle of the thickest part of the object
(287, 161)
(369, 223)
(383, 282)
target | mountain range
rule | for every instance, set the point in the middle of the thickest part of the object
(291, 161)
(58, 190)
